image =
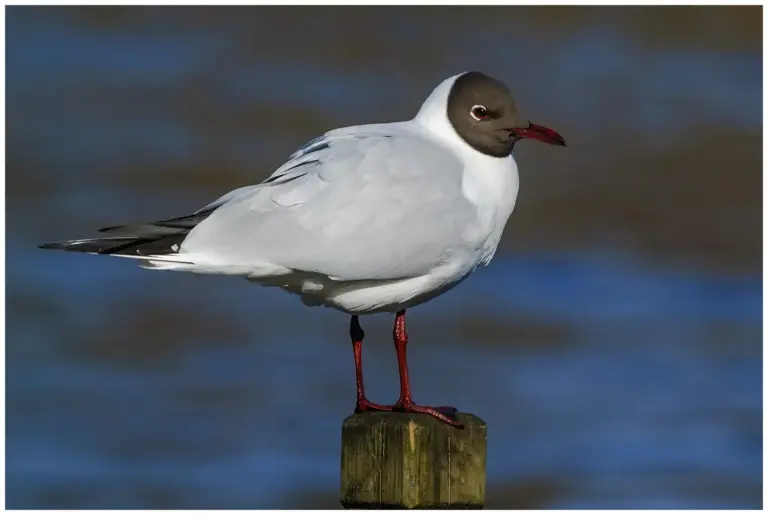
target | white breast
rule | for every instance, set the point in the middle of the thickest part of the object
(490, 183)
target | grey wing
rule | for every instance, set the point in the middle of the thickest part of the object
(299, 163)
(351, 207)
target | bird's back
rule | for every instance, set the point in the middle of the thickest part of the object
(358, 204)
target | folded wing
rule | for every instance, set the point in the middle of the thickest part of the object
(352, 205)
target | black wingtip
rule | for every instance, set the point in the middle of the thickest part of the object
(53, 245)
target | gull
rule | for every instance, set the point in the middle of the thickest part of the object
(364, 219)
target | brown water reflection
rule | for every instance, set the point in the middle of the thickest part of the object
(692, 198)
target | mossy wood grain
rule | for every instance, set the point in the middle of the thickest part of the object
(406, 460)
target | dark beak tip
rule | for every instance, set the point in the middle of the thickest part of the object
(540, 133)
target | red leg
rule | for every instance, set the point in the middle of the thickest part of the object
(356, 333)
(405, 402)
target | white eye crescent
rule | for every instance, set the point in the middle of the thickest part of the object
(479, 112)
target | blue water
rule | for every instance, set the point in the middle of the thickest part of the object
(623, 382)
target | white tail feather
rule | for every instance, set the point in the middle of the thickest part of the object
(168, 258)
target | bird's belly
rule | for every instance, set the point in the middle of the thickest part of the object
(390, 296)
(373, 296)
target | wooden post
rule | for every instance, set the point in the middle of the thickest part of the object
(406, 460)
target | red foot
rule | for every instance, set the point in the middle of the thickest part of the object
(366, 405)
(441, 413)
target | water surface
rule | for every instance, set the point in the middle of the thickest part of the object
(613, 346)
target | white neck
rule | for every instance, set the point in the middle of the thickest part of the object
(433, 116)
(491, 183)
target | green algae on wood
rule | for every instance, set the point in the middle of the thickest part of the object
(412, 460)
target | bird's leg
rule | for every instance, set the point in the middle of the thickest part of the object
(357, 334)
(405, 402)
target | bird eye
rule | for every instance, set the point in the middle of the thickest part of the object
(479, 112)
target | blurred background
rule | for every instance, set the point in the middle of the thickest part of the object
(613, 346)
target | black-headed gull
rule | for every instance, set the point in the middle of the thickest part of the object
(364, 219)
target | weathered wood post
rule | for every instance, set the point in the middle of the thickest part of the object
(406, 460)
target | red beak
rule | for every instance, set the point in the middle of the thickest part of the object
(540, 133)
